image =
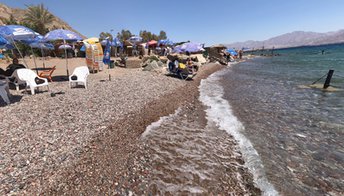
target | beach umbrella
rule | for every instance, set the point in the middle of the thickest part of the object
(152, 42)
(45, 46)
(135, 39)
(17, 33)
(91, 40)
(165, 42)
(65, 46)
(5, 44)
(65, 35)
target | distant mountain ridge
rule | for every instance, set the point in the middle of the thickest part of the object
(294, 39)
(5, 12)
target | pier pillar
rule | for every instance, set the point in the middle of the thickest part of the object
(328, 78)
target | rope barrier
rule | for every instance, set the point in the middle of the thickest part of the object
(319, 79)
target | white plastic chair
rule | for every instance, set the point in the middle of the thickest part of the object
(4, 92)
(79, 76)
(27, 76)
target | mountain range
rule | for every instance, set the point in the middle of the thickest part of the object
(18, 14)
(294, 39)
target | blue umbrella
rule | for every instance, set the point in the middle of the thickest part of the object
(65, 46)
(17, 33)
(135, 39)
(62, 34)
(46, 46)
(231, 51)
(5, 44)
(165, 42)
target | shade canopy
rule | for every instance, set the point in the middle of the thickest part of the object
(188, 47)
(62, 34)
(17, 32)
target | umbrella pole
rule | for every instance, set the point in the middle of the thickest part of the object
(15, 45)
(34, 59)
(42, 56)
(64, 42)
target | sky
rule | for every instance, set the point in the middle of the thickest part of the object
(203, 21)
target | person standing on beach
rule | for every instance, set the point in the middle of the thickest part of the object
(240, 54)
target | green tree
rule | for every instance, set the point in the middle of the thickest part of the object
(104, 35)
(38, 16)
(124, 35)
(162, 35)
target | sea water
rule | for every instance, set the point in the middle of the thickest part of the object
(297, 131)
(289, 134)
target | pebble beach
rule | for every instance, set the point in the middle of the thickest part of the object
(87, 141)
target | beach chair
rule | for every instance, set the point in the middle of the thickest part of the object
(28, 77)
(4, 91)
(47, 73)
(79, 76)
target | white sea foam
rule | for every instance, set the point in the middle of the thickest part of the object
(219, 112)
(157, 124)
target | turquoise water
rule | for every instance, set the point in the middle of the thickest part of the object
(297, 131)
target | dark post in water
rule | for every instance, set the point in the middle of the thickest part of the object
(328, 78)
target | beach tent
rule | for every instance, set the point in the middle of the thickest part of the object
(65, 35)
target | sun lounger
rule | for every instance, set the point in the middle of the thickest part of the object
(47, 73)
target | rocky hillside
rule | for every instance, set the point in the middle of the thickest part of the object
(5, 12)
(294, 39)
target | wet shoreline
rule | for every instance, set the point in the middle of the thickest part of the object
(115, 161)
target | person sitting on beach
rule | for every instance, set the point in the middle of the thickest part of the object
(12, 67)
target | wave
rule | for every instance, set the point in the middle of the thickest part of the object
(219, 112)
